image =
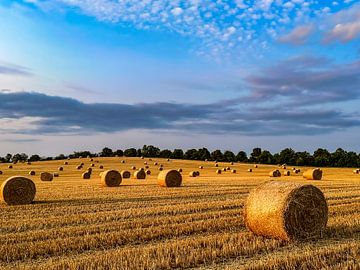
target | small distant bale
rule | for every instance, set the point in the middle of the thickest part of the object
(148, 172)
(161, 165)
(313, 174)
(216, 165)
(82, 164)
(133, 167)
(206, 160)
(192, 174)
(28, 163)
(249, 170)
(233, 171)
(47, 177)
(197, 173)
(161, 168)
(17, 190)
(231, 163)
(228, 168)
(125, 174)
(147, 167)
(60, 169)
(111, 178)
(10, 166)
(224, 169)
(293, 168)
(150, 159)
(55, 174)
(96, 161)
(91, 159)
(141, 169)
(255, 166)
(32, 173)
(155, 163)
(68, 158)
(66, 163)
(275, 173)
(286, 210)
(201, 167)
(180, 170)
(140, 174)
(295, 171)
(101, 167)
(123, 161)
(89, 170)
(357, 171)
(86, 175)
(169, 178)
(92, 165)
(286, 173)
(79, 167)
(218, 171)
(298, 170)
(145, 162)
(142, 157)
(284, 167)
(168, 159)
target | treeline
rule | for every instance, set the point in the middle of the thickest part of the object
(320, 158)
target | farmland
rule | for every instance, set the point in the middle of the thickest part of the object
(79, 224)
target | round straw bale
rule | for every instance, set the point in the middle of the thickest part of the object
(155, 163)
(60, 169)
(45, 176)
(150, 159)
(180, 170)
(288, 211)
(1, 172)
(141, 169)
(201, 167)
(140, 174)
(314, 174)
(28, 163)
(92, 165)
(32, 173)
(295, 171)
(224, 169)
(55, 174)
(111, 178)
(255, 166)
(10, 166)
(147, 167)
(161, 168)
(148, 172)
(161, 165)
(96, 161)
(82, 164)
(66, 163)
(79, 167)
(133, 167)
(169, 178)
(228, 168)
(216, 165)
(218, 171)
(287, 173)
(86, 175)
(356, 171)
(197, 173)
(233, 171)
(192, 174)
(91, 159)
(206, 160)
(250, 170)
(145, 162)
(125, 174)
(101, 167)
(168, 159)
(18, 190)
(298, 170)
(142, 157)
(231, 163)
(123, 161)
(89, 170)
(275, 173)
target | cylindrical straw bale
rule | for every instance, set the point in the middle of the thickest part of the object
(60, 169)
(180, 170)
(148, 172)
(133, 167)
(140, 174)
(111, 178)
(288, 211)
(18, 190)
(313, 174)
(45, 176)
(170, 178)
(218, 171)
(192, 174)
(250, 170)
(86, 175)
(32, 173)
(287, 173)
(125, 174)
(233, 171)
(275, 173)
(197, 173)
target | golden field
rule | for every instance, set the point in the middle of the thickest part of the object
(79, 224)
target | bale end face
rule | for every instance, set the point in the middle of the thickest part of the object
(140, 174)
(169, 178)
(111, 178)
(47, 177)
(313, 174)
(287, 211)
(125, 174)
(18, 190)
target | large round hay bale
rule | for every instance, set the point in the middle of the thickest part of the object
(216, 165)
(140, 174)
(155, 163)
(224, 169)
(92, 165)
(32, 173)
(192, 174)
(79, 167)
(55, 175)
(288, 211)
(18, 190)
(45, 176)
(133, 167)
(66, 163)
(101, 167)
(125, 174)
(313, 174)
(10, 166)
(275, 173)
(250, 170)
(356, 171)
(197, 173)
(233, 171)
(255, 166)
(201, 167)
(60, 169)
(287, 173)
(218, 171)
(123, 161)
(111, 178)
(161, 168)
(148, 172)
(86, 175)
(169, 178)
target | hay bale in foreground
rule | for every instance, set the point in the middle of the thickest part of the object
(275, 173)
(47, 177)
(111, 178)
(18, 190)
(169, 178)
(140, 174)
(125, 174)
(313, 174)
(288, 211)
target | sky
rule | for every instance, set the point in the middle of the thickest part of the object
(231, 75)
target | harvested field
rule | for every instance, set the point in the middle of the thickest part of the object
(77, 224)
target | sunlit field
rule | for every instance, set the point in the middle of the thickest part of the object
(78, 224)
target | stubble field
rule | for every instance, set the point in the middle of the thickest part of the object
(78, 224)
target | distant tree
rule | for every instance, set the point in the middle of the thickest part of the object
(203, 154)
(254, 156)
(60, 157)
(322, 158)
(165, 153)
(34, 158)
(177, 154)
(150, 151)
(20, 157)
(8, 157)
(139, 153)
(106, 152)
(241, 156)
(266, 157)
(217, 155)
(229, 156)
(287, 156)
(82, 154)
(131, 152)
(191, 154)
(119, 153)
(303, 159)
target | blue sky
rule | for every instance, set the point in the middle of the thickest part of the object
(82, 74)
